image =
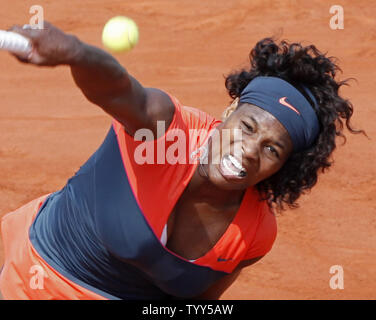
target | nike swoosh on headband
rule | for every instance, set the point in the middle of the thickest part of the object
(286, 104)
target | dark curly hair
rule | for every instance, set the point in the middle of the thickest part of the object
(299, 65)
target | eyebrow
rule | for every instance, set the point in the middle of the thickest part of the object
(279, 145)
(273, 141)
(253, 119)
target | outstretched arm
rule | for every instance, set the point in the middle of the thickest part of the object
(101, 78)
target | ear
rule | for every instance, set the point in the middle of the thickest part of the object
(230, 109)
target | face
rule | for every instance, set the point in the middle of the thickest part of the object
(255, 151)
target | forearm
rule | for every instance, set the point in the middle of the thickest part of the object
(97, 73)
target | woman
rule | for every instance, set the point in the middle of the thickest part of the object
(139, 224)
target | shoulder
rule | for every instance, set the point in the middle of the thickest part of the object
(198, 119)
(156, 105)
(163, 106)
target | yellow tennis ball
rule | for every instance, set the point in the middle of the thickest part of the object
(120, 34)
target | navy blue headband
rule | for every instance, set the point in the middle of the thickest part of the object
(287, 105)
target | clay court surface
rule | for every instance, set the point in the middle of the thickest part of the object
(48, 129)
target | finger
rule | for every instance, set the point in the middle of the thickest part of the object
(30, 33)
(47, 25)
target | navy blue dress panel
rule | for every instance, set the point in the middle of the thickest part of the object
(94, 231)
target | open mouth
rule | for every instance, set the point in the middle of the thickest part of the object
(232, 167)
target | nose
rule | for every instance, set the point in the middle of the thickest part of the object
(250, 150)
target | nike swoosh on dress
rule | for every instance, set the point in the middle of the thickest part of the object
(221, 259)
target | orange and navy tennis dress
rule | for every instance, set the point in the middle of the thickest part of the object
(103, 235)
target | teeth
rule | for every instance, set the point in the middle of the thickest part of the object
(226, 160)
(235, 162)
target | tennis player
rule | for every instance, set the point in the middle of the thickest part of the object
(123, 228)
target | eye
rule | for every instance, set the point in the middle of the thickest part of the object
(247, 126)
(273, 151)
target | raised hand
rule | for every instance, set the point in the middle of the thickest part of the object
(50, 46)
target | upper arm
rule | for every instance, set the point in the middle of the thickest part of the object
(107, 84)
(137, 107)
(219, 287)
